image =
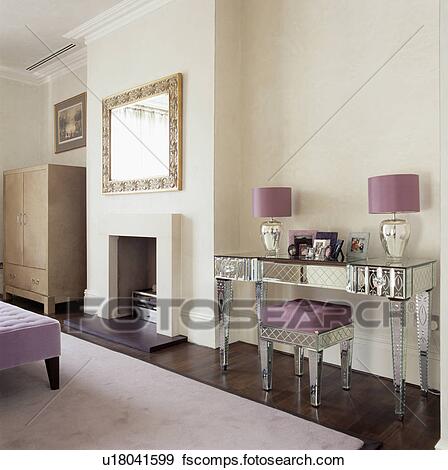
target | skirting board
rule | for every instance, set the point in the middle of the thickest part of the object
(207, 336)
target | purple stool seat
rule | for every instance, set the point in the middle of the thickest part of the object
(307, 315)
(28, 337)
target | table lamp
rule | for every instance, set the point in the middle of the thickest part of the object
(271, 202)
(392, 194)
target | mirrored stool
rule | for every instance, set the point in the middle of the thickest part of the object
(311, 325)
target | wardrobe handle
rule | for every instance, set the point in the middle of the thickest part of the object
(24, 219)
(19, 219)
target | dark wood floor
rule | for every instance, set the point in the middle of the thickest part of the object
(366, 411)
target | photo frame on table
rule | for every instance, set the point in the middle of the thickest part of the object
(357, 246)
(338, 254)
(332, 236)
(322, 249)
(70, 123)
(302, 239)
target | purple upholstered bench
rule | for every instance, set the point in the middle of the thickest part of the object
(311, 325)
(29, 337)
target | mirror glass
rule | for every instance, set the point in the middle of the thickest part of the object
(140, 139)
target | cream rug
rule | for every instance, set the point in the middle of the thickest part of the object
(111, 401)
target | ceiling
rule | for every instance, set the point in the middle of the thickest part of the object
(47, 21)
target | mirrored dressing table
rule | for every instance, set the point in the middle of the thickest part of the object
(397, 282)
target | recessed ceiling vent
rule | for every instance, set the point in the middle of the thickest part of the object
(50, 57)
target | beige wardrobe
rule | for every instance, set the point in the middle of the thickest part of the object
(45, 233)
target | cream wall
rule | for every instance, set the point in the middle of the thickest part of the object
(346, 88)
(178, 37)
(26, 122)
(57, 90)
(228, 125)
(443, 55)
(26, 126)
(22, 131)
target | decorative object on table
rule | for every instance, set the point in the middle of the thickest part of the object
(310, 253)
(328, 253)
(70, 118)
(320, 249)
(293, 234)
(338, 253)
(389, 194)
(302, 244)
(303, 239)
(357, 246)
(271, 202)
(292, 250)
(332, 236)
(142, 138)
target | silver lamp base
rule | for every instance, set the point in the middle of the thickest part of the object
(270, 232)
(394, 235)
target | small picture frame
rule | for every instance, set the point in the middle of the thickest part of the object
(357, 246)
(321, 249)
(338, 254)
(293, 234)
(70, 117)
(332, 236)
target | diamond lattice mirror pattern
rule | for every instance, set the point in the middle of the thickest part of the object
(142, 138)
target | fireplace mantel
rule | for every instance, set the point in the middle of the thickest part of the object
(166, 228)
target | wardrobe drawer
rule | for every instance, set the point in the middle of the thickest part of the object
(36, 280)
(30, 279)
(14, 276)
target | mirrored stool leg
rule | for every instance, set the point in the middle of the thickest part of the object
(224, 296)
(397, 312)
(346, 363)
(423, 311)
(266, 355)
(298, 360)
(315, 359)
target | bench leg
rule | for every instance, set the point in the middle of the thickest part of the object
(52, 366)
(315, 363)
(298, 360)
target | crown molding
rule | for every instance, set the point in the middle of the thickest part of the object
(62, 66)
(18, 76)
(114, 18)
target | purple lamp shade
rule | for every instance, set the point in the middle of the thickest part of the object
(394, 193)
(271, 202)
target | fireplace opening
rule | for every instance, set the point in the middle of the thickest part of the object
(137, 278)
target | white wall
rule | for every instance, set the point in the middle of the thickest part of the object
(443, 55)
(301, 61)
(228, 121)
(26, 126)
(57, 90)
(23, 132)
(179, 37)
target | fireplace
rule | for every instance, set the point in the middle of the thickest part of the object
(137, 277)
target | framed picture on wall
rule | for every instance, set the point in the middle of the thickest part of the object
(358, 245)
(70, 123)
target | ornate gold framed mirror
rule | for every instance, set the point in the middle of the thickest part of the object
(142, 138)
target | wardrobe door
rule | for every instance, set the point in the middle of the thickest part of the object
(35, 219)
(13, 218)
